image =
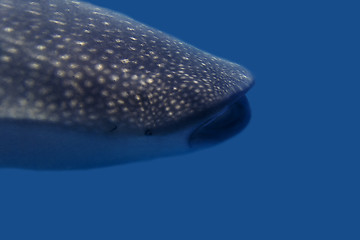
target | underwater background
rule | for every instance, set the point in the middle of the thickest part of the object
(293, 173)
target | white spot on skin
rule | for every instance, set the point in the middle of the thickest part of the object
(69, 94)
(79, 75)
(57, 22)
(88, 84)
(85, 57)
(99, 67)
(39, 104)
(80, 43)
(60, 73)
(92, 50)
(105, 93)
(12, 50)
(34, 3)
(8, 29)
(115, 78)
(57, 63)
(34, 66)
(5, 5)
(33, 12)
(41, 58)
(134, 77)
(101, 80)
(52, 107)
(30, 82)
(110, 51)
(65, 57)
(73, 103)
(111, 104)
(73, 65)
(56, 36)
(23, 102)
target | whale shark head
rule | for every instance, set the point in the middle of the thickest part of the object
(82, 86)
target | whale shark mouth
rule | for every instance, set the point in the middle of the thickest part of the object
(228, 122)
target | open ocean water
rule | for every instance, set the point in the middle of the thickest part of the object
(293, 173)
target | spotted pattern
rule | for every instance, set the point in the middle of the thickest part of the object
(73, 63)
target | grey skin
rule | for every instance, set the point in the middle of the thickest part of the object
(84, 87)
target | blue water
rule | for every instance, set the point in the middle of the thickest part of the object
(293, 173)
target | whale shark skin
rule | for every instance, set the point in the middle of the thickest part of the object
(82, 87)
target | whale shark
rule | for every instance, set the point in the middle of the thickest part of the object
(84, 87)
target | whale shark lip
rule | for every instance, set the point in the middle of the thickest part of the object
(226, 123)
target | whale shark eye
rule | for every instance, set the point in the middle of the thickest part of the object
(113, 129)
(148, 132)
